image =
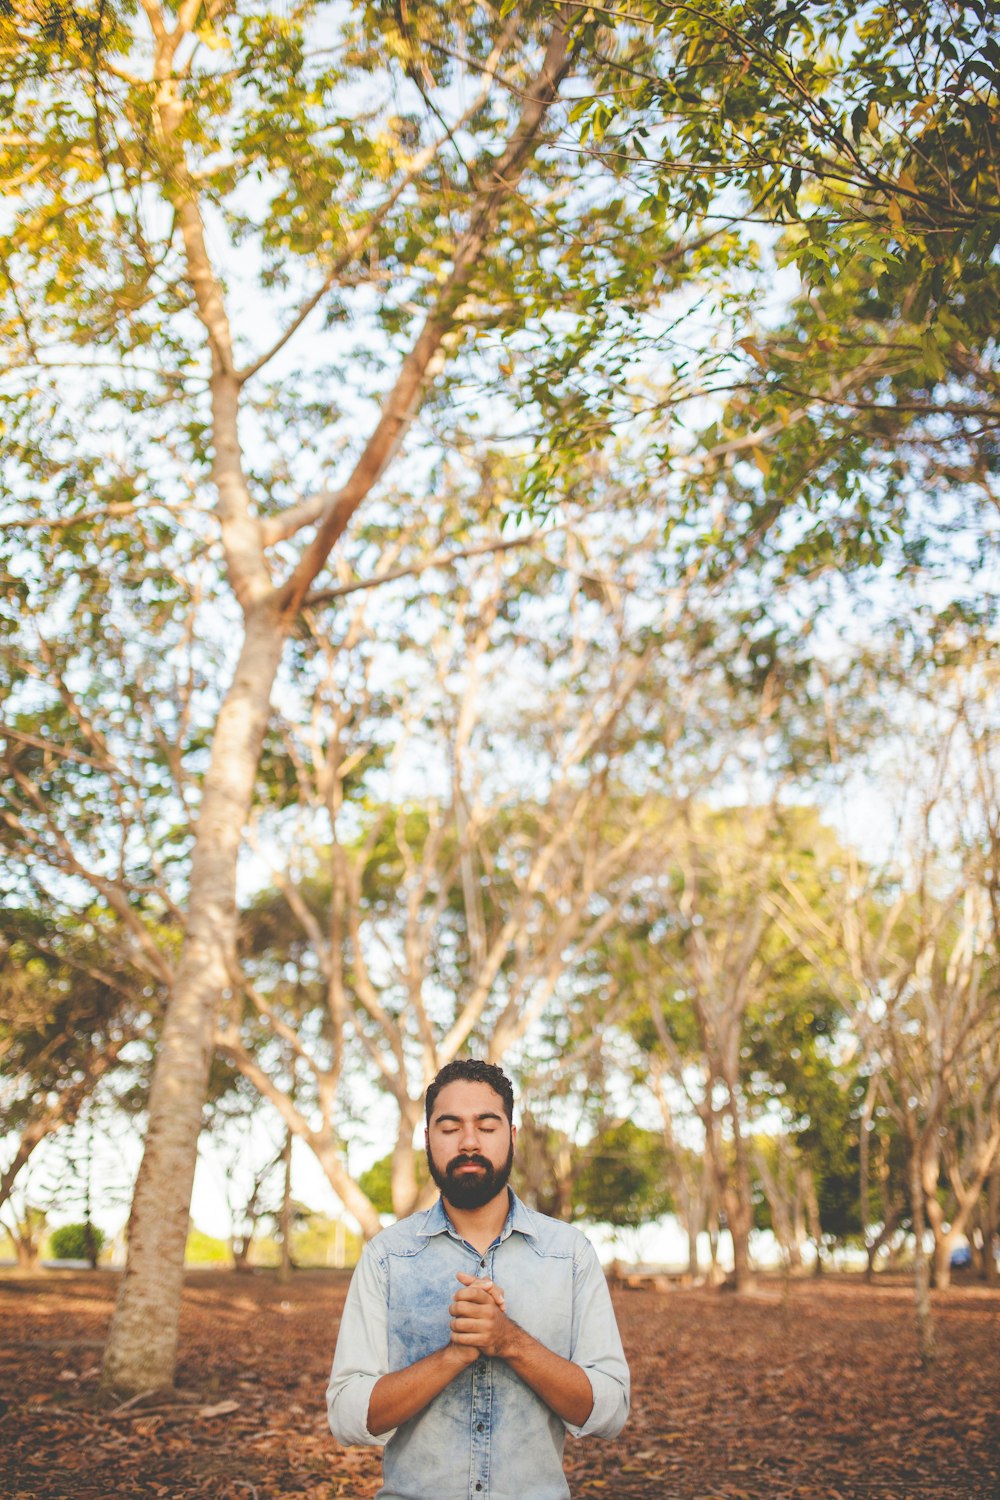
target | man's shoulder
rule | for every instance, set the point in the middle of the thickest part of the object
(555, 1236)
(402, 1237)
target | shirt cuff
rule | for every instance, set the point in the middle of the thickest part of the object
(609, 1411)
(347, 1409)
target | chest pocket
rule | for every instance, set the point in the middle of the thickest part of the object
(538, 1290)
(420, 1290)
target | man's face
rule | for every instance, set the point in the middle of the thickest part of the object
(470, 1144)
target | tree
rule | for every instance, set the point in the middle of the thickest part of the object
(716, 971)
(447, 226)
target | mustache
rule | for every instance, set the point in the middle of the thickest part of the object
(468, 1161)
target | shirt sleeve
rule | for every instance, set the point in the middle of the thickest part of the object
(362, 1354)
(597, 1348)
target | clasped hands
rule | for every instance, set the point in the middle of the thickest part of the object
(479, 1323)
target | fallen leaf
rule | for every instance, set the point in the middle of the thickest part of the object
(220, 1409)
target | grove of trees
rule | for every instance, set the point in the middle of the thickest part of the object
(499, 545)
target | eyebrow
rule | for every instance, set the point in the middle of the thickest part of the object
(458, 1119)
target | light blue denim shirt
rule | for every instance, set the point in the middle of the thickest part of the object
(487, 1436)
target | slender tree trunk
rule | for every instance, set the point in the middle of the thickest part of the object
(694, 1266)
(347, 1190)
(141, 1350)
(26, 1250)
(943, 1246)
(921, 1269)
(930, 1170)
(990, 1222)
(800, 1231)
(404, 1186)
(782, 1213)
(813, 1219)
(714, 1274)
(739, 1201)
(285, 1269)
(864, 1175)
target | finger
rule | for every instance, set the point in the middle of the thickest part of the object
(474, 1293)
(469, 1340)
(482, 1311)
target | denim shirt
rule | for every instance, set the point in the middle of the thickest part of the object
(486, 1436)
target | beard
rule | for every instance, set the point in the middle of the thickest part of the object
(471, 1191)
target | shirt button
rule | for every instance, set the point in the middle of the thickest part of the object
(478, 1486)
(481, 1427)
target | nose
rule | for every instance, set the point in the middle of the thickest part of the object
(468, 1140)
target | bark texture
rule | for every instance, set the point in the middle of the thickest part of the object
(141, 1349)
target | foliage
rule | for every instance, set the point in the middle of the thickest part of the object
(76, 1242)
(623, 1180)
(376, 1182)
(863, 140)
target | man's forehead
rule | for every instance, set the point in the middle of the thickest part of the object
(466, 1098)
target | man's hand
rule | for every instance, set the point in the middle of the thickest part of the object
(478, 1320)
(480, 1325)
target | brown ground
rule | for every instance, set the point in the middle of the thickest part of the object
(810, 1392)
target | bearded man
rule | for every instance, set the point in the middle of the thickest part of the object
(478, 1333)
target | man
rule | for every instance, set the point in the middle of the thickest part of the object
(477, 1333)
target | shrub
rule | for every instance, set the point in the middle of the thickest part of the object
(76, 1242)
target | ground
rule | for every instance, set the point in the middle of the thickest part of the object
(809, 1390)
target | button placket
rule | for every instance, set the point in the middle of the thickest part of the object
(482, 1399)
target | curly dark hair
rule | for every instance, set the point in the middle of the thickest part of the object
(473, 1071)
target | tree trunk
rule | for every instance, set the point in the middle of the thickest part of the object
(347, 1190)
(921, 1270)
(142, 1344)
(990, 1222)
(782, 1212)
(944, 1243)
(930, 1171)
(739, 1200)
(864, 1149)
(813, 1219)
(739, 1217)
(285, 1268)
(26, 1247)
(404, 1185)
(800, 1231)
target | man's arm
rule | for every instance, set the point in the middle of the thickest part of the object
(479, 1323)
(366, 1400)
(362, 1354)
(398, 1396)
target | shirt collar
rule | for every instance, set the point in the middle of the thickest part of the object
(519, 1218)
